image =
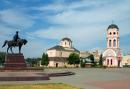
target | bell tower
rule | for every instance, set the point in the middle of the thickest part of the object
(112, 37)
(66, 42)
(112, 55)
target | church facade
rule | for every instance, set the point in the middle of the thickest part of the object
(112, 55)
(58, 54)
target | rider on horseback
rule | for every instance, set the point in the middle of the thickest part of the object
(16, 42)
(16, 38)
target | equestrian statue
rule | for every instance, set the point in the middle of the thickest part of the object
(16, 42)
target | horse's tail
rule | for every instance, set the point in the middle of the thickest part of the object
(4, 43)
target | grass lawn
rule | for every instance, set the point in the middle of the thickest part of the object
(38, 86)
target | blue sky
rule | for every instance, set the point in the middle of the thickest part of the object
(44, 22)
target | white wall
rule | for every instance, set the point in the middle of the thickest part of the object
(126, 60)
(66, 43)
(51, 53)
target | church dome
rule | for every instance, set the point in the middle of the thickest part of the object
(68, 39)
(113, 26)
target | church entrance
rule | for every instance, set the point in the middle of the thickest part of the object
(109, 62)
(56, 64)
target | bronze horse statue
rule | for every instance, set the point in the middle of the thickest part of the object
(12, 43)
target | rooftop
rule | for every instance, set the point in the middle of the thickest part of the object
(66, 38)
(113, 26)
(60, 48)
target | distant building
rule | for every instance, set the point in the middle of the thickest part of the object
(85, 54)
(126, 60)
(58, 54)
(112, 55)
(96, 55)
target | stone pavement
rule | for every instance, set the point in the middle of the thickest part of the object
(90, 78)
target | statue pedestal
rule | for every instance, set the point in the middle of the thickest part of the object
(14, 61)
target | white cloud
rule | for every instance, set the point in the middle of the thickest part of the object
(81, 36)
(10, 21)
(124, 49)
(35, 48)
(16, 18)
(4, 30)
(87, 18)
(96, 15)
(63, 6)
(84, 22)
(86, 27)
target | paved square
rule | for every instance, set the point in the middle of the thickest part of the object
(90, 78)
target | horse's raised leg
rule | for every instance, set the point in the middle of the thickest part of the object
(7, 49)
(11, 49)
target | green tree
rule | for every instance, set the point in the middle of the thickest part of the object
(45, 60)
(73, 59)
(91, 57)
(2, 58)
(101, 61)
(33, 62)
(29, 61)
(82, 63)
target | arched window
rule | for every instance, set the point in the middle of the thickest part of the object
(107, 61)
(109, 43)
(65, 43)
(60, 54)
(111, 61)
(114, 33)
(110, 33)
(114, 43)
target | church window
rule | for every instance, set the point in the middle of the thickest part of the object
(65, 43)
(107, 61)
(110, 33)
(61, 54)
(114, 43)
(114, 33)
(111, 61)
(109, 43)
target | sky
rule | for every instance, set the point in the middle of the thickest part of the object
(45, 22)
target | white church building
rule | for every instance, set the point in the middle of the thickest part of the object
(112, 55)
(58, 54)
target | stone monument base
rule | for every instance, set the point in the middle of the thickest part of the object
(14, 61)
(30, 76)
(15, 70)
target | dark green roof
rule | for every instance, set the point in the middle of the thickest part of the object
(68, 39)
(113, 26)
(60, 48)
(57, 47)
